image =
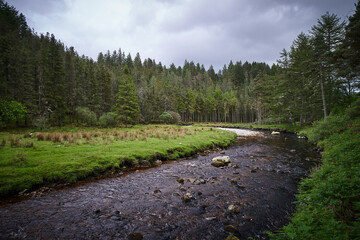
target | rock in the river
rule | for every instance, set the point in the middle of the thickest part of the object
(220, 161)
(158, 162)
(233, 209)
(275, 133)
(180, 180)
(234, 165)
(231, 237)
(231, 229)
(187, 197)
(135, 236)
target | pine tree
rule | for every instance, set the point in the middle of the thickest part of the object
(127, 103)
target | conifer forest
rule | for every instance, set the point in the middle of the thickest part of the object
(43, 81)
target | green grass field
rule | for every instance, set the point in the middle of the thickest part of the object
(29, 160)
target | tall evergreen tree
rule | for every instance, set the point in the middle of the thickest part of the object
(127, 103)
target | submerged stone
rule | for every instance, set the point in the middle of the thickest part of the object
(135, 236)
(231, 237)
(231, 229)
(187, 197)
(180, 180)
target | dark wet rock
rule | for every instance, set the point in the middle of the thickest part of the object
(233, 209)
(180, 180)
(135, 236)
(157, 162)
(234, 165)
(253, 170)
(220, 161)
(157, 191)
(144, 163)
(233, 181)
(231, 229)
(240, 186)
(187, 197)
(97, 211)
(199, 193)
(231, 237)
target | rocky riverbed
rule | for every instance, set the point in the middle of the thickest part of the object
(184, 199)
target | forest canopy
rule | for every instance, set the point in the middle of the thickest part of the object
(317, 75)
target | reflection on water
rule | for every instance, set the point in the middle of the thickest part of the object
(255, 197)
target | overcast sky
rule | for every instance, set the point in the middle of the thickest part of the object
(211, 32)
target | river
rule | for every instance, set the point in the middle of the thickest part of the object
(254, 195)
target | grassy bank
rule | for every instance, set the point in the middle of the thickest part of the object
(29, 160)
(328, 205)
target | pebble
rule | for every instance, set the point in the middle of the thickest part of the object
(187, 197)
(180, 180)
(135, 236)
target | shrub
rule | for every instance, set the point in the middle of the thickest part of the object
(40, 122)
(86, 115)
(166, 117)
(325, 128)
(11, 111)
(108, 119)
(15, 141)
(176, 117)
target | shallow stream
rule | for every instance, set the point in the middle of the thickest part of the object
(153, 204)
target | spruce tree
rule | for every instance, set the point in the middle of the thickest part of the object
(127, 103)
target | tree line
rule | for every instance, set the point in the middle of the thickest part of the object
(318, 74)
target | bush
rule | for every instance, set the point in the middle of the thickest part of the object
(325, 128)
(11, 111)
(166, 117)
(176, 117)
(108, 119)
(40, 122)
(86, 115)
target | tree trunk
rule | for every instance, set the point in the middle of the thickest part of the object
(322, 92)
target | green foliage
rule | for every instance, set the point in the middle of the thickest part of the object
(11, 111)
(127, 103)
(176, 118)
(325, 128)
(328, 203)
(108, 119)
(86, 115)
(166, 117)
(41, 122)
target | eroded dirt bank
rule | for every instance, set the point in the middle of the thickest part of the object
(255, 196)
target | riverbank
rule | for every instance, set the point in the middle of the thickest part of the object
(32, 160)
(328, 205)
(182, 199)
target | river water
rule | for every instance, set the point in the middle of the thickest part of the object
(151, 203)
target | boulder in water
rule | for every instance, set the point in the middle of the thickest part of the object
(220, 161)
(275, 133)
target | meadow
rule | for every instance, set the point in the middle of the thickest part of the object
(29, 159)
